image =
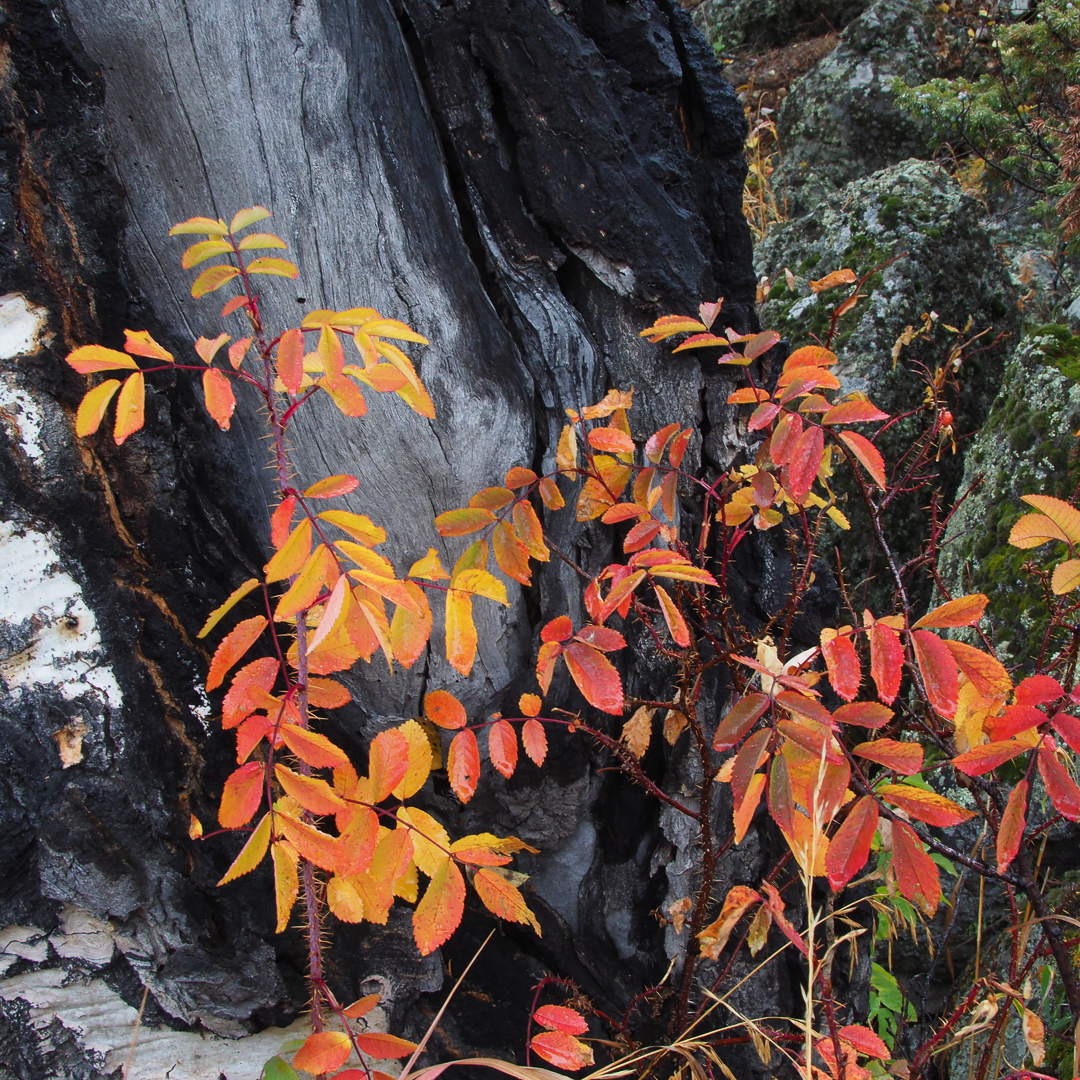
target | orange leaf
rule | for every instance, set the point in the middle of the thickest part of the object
(530, 531)
(938, 670)
(595, 677)
(140, 343)
(849, 847)
(312, 748)
(242, 795)
(678, 450)
(963, 611)
(463, 764)
(519, 477)
(747, 807)
(313, 844)
(916, 874)
(715, 936)
(220, 401)
(1063, 792)
(129, 407)
(409, 631)
(91, 358)
(323, 1052)
(319, 570)
(902, 757)
(562, 1050)
(560, 1018)
(985, 671)
(549, 492)
(1064, 516)
(93, 406)
(311, 793)
(281, 521)
(1066, 577)
(656, 444)
(886, 661)
(529, 704)
(440, 909)
(740, 718)
(854, 412)
(382, 1046)
(362, 1006)
(830, 281)
(460, 631)
(1013, 823)
(388, 762)
(503, 899)
(676, 624)
(924, 805)
(534, 739)
(842, 661)
(249, 689)
(511, 554)
(809, 356)
(503, 747)
(864, 1041)
(868, 455)
(464, 521)
(233, 646)
(444, 710)
(332, 486)
(290, 360)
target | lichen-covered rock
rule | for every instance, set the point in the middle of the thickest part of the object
(840, 121)
(731, 24)
(916, 214)
(1026, 447)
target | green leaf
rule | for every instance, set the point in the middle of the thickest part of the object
(277, 1069)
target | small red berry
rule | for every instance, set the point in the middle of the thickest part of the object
(946, 418)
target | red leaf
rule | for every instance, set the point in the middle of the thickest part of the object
(902, 757)
(804, 462)
(562, 1050)
(868, 455)
(924, 805)
(249, 688)
(559, 629)
(676, 624)
(865, 1041)
(534, 739)
(1068, 727)
(1012, 827)
(752, 754)
(463, 764)
(281, 522)
(242, 795)
(849, 848)
(845, 672)
(1038, 690)
(595, 677)
(678, 450)
(323, 1052)
(601, 637)
(1013, 720)
(611, 439)
(740, 718)
(560, 1018)
(503, 747)
(886, 661)
(938, 671)
(916, 874)
(444, 710)
(963, 611)
(388, 762)
(867, 714)
(981, 759)
(1063, 792)
(781, 803)
(220, 401)
(858, 411)
(232, 648)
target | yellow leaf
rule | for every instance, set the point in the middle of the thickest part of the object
(566, 457)
(430, 842)
(358, 526)
(637, 731)
(129, 407)
(293, 554)
(211, 279)
(1066, 577)
(251, 854)
(91, 358)
(243, 218)
(343, 900)
(205, 249)
(419, 760)
(1066, 517)
(140, 343)
(279, 267)
(286, 882)
(260, 240)
(439, 913)
(235, 597)
(207, 226)
(93, 406)
(429, 568)
(481, 583)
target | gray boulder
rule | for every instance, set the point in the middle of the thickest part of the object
(733, 24)
(1026, 447)
(840, 121)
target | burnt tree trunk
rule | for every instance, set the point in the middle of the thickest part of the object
(527, 182)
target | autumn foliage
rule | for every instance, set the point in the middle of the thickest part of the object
(864, 749)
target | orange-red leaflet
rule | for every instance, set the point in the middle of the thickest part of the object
(562, 1050)
(503, 899)
(130, 405)
(281, 521)
(362, 1006)
(249, 690)
(140, 343)
(464, 521)
(924, 805)
(868, 456)
(985, 671)
(312, 748)
(747, 807)
(511, 555)
(549, 492)
(93, 407)
(916, 874)
(854, 412)
(667, 325)
(678, 449)
(1068, 727)
(382, 1046)
(1038, 690)
(902, 757)
(981, 759)
(220, 400)
(233, 647)
(208, 349)
(741, 717)
(715, 936)
(529, 704)
(492, 498)
(1013, 823)
(323, 1052)
(534, 739)
(842, 661)
(849, 847)
(463, 764)
(864, 1041)
(654, 447)
(332, 486)
(611, 439)
(886, 661)
(1063, 792)
(595, 677)
(242, 795)
(868, 714)
(560, 1018)
(938, 669)
(1015, 719)
(444, 710)
(700, 341)
(440, 909)
(251, 854)
(388, 762)
(753, 752)
(803, 464)
(676, 624)
(503, 747)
